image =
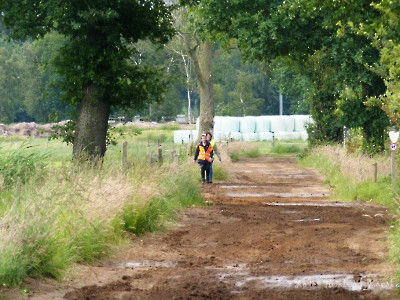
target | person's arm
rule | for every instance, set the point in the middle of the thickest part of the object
(215, 149)
(196, 154)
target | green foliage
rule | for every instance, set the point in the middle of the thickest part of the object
(21, 166)
(27, 81)
(66, 133)
(317, 48)
(157, 136)
(170, 127)
(220, 172)
(130, 131)
(252, 152)
(152, 215)
(99, 59)
(97, 54)
(347, 189)
(289, 148)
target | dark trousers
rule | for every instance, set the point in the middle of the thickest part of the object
(205, 171)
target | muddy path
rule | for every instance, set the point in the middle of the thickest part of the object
(268, 233)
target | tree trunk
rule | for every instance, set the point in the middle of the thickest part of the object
(202, 62)
(91, 128)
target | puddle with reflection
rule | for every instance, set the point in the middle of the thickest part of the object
(290, 212)
(147, 264)
(289, 175)
(319, 204)
(274, 194)
(349, 282)
(307, 220)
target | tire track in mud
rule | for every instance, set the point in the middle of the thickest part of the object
(268, 233)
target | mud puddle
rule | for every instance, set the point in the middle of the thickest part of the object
(314, 204)
(275, 194)
(147, 264)
(349, 282)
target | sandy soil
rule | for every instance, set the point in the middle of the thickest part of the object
(268, 233)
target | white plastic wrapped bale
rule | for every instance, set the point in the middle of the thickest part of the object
(185, 136)
(250, 136)
(197, 124)
(263, 124)
(230, 124)
(287, 135)
(304, 135)
(181, 136)
(248, 125)
(233, 136)
(300, 122)
(217, 123)
(266, 136)
(282, 123)
(219, 136)
(193, 137)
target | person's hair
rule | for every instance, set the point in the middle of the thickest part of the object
(203, 134)
(209, 133)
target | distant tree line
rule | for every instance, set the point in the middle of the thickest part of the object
(29, 90)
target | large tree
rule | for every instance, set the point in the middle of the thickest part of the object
(95, 63)
(317, 38)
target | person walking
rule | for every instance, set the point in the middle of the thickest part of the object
(204, 156)
(215, 150)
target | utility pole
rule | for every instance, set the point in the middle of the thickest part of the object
(280, 104)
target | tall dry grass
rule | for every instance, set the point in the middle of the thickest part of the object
(358, 167)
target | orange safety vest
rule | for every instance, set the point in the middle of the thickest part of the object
(205, 155)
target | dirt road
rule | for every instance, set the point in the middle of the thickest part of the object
(269, 233)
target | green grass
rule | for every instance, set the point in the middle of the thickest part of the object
(287, 148)
(170, 127)
(152, 215)
(220, 172)
(345, 188)
(245, 153)
(257, 149)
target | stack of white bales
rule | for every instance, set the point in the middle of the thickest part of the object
(258, 128)
(185, 136)
(248, 129)
(227, 128)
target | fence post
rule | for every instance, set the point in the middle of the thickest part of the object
(393, 165)
(160, 158)
(375, 172)
(173, 155)
(273, 139)
(125, 155)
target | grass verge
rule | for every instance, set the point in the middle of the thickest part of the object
(51, 218)
(147, 216)
(349, 183)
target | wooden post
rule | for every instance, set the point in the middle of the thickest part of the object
(375, 172)
(160, 158)
(393, 165)
(173, 152)
(273, 139)
(124, 154)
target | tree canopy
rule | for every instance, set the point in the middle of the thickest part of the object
(95, 64)
(322, 44)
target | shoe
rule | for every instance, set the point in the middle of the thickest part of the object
(210, 182)
(203, 182)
